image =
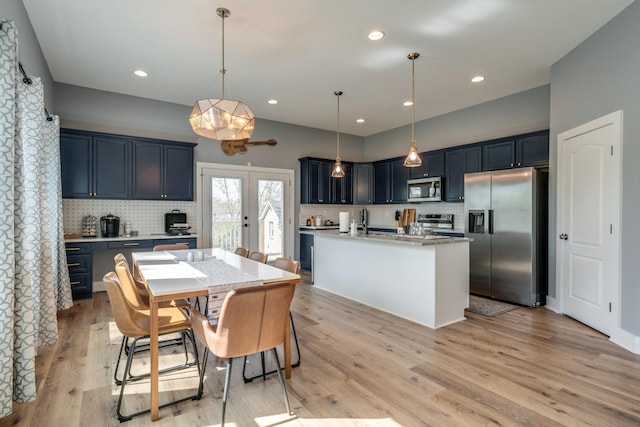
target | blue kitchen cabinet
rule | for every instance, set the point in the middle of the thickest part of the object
(519, 151)
(342, 188)
(162, 171)
(306, 251)
(432, 165)
(390, 181)
(459, 161)
(315, 184)
(362, 183)
(94, 166)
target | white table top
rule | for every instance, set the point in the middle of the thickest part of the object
(169, 272)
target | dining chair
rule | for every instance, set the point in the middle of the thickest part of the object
(171, 247)
(292, 267)
(258, 256)
(242, 251)
(138, 302)
(134, 324)
(252, 320)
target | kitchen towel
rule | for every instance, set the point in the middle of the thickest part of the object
(344, 222)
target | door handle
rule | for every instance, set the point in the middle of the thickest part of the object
(564, 236)
(490, 221)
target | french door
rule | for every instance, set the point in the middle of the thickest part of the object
(246, 206)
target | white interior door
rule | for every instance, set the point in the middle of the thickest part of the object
(246, 206)
(588, 222)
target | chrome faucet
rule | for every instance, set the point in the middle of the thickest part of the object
(365, 220)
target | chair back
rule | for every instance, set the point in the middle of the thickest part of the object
(171, 247)
(287, 264)
(252, 320)
(242, 251)
(258, 256)
(125, 279)
(124, 314)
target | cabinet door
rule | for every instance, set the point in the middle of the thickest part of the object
(342, 188)
(399, 177)
(459, 162)
(381, 183)
(147, 170)
(498, 155)
(110, 168)
(432, 165)
(362, 183)
(533, 150)
(306, 243)
(76, 166)
(178, 173)
(319, 186)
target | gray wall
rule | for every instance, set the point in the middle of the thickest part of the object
(29, 49)
(519, 113)
(597, 78)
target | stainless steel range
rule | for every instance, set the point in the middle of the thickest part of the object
(436, 222)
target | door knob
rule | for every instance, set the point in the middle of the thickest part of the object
(564, 236)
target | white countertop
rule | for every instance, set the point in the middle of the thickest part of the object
(122, 238)
(393, 238)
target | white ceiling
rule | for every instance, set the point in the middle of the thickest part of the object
(301, 51)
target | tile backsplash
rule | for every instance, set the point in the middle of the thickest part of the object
(383, 215)
(146, 216)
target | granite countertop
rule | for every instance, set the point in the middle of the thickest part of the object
(394, 238)
(122, 238)
(319, 227)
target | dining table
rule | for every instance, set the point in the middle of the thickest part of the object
(195, 273)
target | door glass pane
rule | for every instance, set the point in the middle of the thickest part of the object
(226, 213)
(270, 218)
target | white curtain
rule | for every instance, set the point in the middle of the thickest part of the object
(34, 282)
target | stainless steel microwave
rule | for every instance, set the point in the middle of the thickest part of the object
(424, 189)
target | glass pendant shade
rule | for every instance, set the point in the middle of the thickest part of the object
(222, 119)
(337, 171)
(413, 159)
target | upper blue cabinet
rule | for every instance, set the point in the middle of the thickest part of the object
(519, 151)
(94, 166)
(104, 166)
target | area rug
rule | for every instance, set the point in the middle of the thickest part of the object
(488, 307)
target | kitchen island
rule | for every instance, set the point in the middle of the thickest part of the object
(423, 279)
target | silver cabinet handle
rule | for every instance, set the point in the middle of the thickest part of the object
(131, 244)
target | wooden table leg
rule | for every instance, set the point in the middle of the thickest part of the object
(153, 343)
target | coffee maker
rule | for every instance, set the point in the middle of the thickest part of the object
(110, 226)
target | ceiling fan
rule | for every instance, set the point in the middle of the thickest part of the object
(231, 147)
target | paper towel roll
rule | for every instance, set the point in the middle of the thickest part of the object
(344, 222)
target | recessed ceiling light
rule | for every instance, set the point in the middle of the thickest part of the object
(375, 35)
(273, 101)
(477, 79)
(407, 103)
(140, 73)
(359, 120)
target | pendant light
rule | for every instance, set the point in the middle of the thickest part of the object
(413, 159)
(337, 171)
(219, 118)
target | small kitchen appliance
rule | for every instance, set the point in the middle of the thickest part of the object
(110, 226)
(434, 222)
(424, 189)
(89, 226)
(175, 223)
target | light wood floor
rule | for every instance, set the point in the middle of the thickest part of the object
(361, 367)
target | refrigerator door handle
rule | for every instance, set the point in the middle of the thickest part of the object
(490, 221)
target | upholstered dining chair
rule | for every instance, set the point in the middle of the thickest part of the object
(252, 320)
(258, 256)
(171, 247)
(292, 267)
(242, 251)
(134, 324)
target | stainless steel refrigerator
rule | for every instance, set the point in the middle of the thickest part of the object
(506, 216)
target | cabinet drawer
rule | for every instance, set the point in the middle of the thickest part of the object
(131, 244)
(79, 263)
(214, 306)
(77, 248)
(80, 283)
(191, 241)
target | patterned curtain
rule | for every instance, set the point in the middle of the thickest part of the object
(34, 282)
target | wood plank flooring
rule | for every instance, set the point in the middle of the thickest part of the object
(360, 367)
